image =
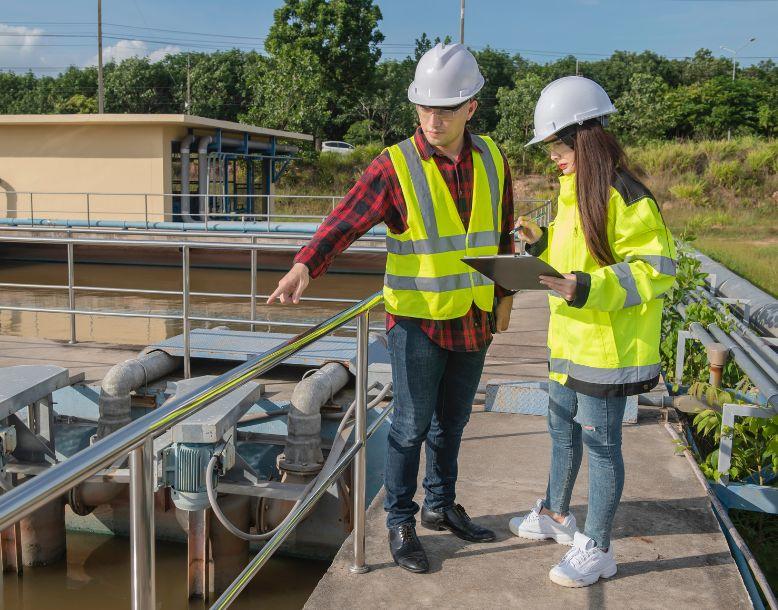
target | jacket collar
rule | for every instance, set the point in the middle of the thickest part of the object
(426, 150)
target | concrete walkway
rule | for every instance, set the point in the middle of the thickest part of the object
(670, 550)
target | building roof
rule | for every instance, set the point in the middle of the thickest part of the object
(183, 120)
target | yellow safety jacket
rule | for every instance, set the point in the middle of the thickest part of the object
(606, 341)
(425, 277)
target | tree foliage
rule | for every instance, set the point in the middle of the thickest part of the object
(322, 74)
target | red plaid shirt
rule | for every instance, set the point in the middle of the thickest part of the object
(376, 197)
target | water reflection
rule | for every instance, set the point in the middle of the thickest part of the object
(141, 331)
(96, 575)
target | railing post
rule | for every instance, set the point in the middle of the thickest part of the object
(71, 290)
(32, 213)
(185, 290)
(88, 213)
(253, 283)
(146, 209)
(360, 461)
(142, 526)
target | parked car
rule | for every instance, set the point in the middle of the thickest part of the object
(334, 146)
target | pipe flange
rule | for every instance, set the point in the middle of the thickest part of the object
(76, 505)
(296, 468)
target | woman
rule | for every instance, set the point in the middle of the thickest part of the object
(617, 257)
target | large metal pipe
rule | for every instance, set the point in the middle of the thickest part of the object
(186, 198)
(259, 146)
(114, 405)
(767, 387)
(202, 173)
(124, 378)
(763, 307)
(764, 348)
(302, 454)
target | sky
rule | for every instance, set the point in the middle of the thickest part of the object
(48, 35)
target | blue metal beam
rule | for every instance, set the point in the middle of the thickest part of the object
(744, 496)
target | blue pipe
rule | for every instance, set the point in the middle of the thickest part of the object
(227, 225)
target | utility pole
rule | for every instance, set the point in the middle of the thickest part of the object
(188, 105)
(462, 22)
(734, 67)
(100, 90)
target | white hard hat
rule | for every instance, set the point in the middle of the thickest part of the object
(446, 75)
(566, 101)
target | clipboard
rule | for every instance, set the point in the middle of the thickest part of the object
(513, 271)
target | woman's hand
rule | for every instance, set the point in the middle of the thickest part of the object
(527, 230)
(563, 286)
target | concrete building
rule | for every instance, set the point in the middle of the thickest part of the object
(129, 166)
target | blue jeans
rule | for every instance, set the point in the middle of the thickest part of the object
(576, 419)
(433, 396)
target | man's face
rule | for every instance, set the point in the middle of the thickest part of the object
(442, 126)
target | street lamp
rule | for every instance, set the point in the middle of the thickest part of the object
(734, 54)
(734, 66)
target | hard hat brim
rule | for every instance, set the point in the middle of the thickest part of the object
(539, 138)
(422, 100)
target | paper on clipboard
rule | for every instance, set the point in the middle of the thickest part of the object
(513, 271)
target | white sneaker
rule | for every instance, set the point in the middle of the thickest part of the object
(535, 526)
(584, 564)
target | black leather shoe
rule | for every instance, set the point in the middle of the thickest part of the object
(456, 520)
(406, 548)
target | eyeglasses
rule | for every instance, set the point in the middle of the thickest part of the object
(556, 146)
(443, 113)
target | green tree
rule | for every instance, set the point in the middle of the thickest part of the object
(499, 70)
(343, 35)
(287, 94)
(217, 82)
(77, 104)
(516, 109)
(702, 67)
(423, 44)
(644, 111)
(138, 86)
(711, 108)
(386, 107)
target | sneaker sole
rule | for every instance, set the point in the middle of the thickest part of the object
(562, 539)
(587, 582)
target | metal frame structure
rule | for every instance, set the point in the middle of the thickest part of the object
(136, 439)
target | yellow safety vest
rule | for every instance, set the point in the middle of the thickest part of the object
(425, 277)
(606, 341)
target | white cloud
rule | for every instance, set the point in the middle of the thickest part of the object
(18, 45)
(124, 49)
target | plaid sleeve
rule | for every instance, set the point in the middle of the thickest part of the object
(507, 243)
(369, 202)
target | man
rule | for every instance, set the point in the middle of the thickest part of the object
(443, 194)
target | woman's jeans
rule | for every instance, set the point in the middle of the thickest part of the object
(433, 392)
(575, 420)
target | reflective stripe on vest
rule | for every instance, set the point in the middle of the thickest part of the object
(424, 274)
(436, 284)
(614, 376)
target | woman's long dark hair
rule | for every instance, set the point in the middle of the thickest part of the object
(597, 157)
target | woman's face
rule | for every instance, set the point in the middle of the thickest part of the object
(561, 154)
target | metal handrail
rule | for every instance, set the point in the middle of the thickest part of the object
(137, 437)
(207, 214)
(185, 317)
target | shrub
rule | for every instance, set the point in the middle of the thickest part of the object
(692, 190)
(730, 174)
